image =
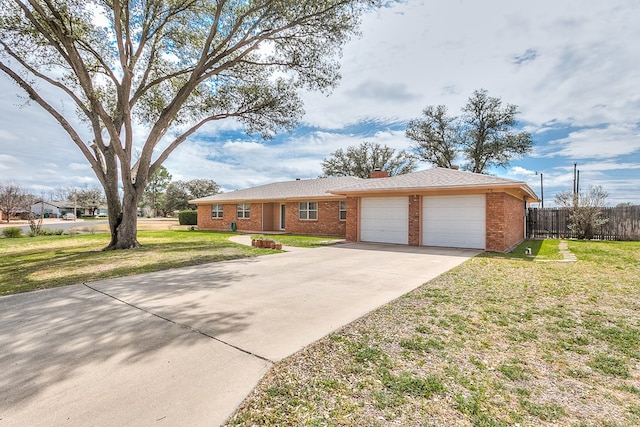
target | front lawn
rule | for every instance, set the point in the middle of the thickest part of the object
(45, 262)
(494, 342)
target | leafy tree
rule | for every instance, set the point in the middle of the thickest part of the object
(482, 135)
(436, 136)
(11, 199)
(585, 210)
(360, 161)
(178, 193)
(155, 189)
(88, 197)
(176, 197)
(202, 188)
(172, 67)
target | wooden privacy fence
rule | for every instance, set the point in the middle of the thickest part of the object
(553, 223)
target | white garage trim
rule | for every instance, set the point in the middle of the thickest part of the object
(454, 221)
(384, 220)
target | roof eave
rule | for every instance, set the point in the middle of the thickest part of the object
(454, 188)
(328, 196)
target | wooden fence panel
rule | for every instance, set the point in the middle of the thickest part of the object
(623, 223)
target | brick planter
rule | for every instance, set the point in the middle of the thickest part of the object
(266, 244)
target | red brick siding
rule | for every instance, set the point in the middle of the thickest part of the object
(327, 224)
(505, 222)
(415, 220)
(254, 223)
(515, 221)
(353, 218)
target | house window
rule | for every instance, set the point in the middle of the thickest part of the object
(343, 210)
(243, 211)
(308, 210)
(216, 211)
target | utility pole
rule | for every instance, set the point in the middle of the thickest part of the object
(541, 189)
(575, 184)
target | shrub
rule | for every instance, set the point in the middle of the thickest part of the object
(51, 232)
(91, 230)
(12, 232)
(189, 217)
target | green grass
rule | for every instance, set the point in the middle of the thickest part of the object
(540, 250)
(28, 264)
(300, 241)
(494, 342)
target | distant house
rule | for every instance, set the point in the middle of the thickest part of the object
(52, 209)
(55, 209)
(434, 207)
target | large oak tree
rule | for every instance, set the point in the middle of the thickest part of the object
(170, 66)
(484, 135)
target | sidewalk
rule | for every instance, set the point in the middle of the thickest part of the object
(45, 222)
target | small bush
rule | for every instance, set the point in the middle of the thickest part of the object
(90, 230)
(51, 232)
(12, 232)
(189, 217)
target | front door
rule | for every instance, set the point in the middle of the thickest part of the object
(282, 214)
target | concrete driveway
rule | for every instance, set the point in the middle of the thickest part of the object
(185, 346)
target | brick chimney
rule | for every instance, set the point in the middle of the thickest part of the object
(378, 173)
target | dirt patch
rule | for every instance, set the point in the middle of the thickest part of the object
(149, 224)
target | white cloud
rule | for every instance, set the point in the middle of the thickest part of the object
(518, 171)
(606, 143)
(79, 166)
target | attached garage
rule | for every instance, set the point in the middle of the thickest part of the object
(454, 221)
(384, 220)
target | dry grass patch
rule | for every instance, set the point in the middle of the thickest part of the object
(494, 342)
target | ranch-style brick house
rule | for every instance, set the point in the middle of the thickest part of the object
(434, 207)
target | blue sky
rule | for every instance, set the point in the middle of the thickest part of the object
(571, 67)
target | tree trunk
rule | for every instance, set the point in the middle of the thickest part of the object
(123, 221)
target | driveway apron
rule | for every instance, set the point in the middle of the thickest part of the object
(185, 346)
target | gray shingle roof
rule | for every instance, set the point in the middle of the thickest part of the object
(299, 189)
(436, 178)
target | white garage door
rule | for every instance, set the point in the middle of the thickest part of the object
(454, 221)
(384, 220)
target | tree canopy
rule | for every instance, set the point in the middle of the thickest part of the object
(178, 193)
(360, 161)
(145, 75)
(482, 136)
(91, 197)
(154, 191)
